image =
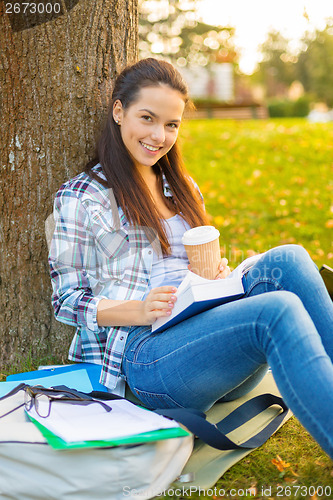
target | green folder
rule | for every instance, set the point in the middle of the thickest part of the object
(59, 444)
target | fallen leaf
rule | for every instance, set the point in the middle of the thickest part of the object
(252, 490)
(280, 464)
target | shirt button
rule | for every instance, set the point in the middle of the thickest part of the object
(142, 281)
(149, 252)
(121, 338)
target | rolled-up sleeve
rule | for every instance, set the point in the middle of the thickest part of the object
(73, 264)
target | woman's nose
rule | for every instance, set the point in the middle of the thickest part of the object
(158, 134)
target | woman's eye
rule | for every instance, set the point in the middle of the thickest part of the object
(173, 125)
(147, 117)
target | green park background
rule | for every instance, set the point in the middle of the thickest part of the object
(265, 183)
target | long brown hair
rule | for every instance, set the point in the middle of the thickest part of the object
(128, 186)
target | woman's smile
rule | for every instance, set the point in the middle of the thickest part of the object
(149, 148)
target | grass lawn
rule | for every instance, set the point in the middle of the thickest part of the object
(266, 183)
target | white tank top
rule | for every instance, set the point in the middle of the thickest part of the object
(171, 269)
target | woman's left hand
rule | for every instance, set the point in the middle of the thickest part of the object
(224, 269)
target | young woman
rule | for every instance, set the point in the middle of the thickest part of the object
(116, 260)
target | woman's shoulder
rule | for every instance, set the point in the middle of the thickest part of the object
(83, 187)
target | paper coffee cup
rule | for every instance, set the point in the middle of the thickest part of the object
(203, 250)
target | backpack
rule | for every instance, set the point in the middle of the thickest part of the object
(30, 469)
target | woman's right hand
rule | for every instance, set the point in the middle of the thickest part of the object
(158, 303)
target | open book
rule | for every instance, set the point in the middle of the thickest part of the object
(196, 294)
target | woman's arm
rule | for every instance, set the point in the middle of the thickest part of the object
(72, 253)
(159, 303)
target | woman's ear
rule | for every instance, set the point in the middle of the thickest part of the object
(117, 111)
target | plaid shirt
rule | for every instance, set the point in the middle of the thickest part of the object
(96, 254)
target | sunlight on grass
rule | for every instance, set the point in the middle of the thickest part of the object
(265, 183)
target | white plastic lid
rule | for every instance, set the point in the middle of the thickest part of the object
(200, 235)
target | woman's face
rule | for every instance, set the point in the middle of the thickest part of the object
(149, 126)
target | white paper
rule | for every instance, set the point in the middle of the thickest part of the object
(92, 422)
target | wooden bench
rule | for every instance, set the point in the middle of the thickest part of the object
(236, 112)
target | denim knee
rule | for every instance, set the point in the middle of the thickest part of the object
(281, 312)
(285, 301)
(290, 254)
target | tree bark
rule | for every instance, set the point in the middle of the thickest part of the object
(56, 75)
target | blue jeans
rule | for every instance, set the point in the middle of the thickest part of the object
(285, 321)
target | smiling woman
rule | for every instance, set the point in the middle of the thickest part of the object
(117, 258)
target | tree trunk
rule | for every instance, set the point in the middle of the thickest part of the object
(56, 74)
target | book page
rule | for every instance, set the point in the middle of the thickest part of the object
(245, 266)
(189, 280)
(194, 279)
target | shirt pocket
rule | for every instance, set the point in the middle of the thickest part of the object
(153, 400)
(112, 247)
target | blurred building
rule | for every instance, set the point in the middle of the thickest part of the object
(214, 81)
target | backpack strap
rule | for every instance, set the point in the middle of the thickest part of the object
(214, 434)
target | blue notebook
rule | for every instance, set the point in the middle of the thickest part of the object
(71, 375)
(77, 379)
